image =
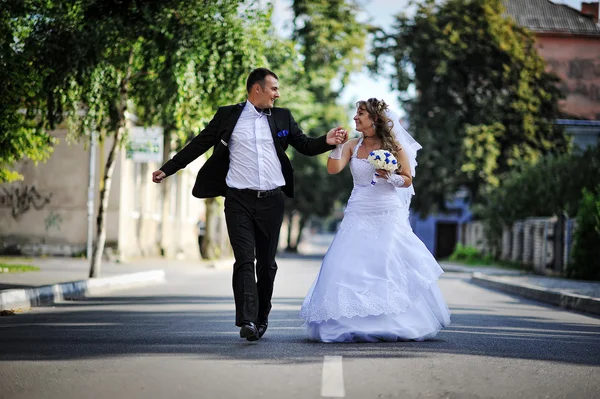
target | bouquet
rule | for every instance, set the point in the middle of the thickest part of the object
(382, 159)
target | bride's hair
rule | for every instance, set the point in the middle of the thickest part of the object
(383, 125)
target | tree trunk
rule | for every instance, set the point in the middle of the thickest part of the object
(290, 245)
(164, 191)
(212, 243)
(302, 224)
(108, 172)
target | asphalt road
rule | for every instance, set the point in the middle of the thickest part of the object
(178, 340)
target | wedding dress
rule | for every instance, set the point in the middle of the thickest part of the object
(378, 281)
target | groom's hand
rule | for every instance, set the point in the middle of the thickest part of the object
(336, 136)
(158, 176)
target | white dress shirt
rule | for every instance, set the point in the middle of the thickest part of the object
(253, 161)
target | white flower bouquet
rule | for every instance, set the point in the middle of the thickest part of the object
(382, 159)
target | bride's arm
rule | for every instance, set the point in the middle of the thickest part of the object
(340, 156)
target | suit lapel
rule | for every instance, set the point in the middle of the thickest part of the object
(231, 120)
(273, 127)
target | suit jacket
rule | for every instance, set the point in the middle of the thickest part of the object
(210, 181)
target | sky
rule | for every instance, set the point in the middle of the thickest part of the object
(363, 85)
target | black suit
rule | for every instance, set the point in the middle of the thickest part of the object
(253, 223)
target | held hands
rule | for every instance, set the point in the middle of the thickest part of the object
(158, 176)
(336, 136)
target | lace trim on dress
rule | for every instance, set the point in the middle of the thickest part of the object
(398, 298)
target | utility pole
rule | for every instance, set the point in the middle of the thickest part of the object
(91, 195)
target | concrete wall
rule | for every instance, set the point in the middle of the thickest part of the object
(47, 212)
(530, 242)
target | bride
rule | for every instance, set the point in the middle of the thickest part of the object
(377, 281)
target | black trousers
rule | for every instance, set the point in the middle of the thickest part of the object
(253, 225)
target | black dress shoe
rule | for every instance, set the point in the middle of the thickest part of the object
(249, 331)
(262, 328)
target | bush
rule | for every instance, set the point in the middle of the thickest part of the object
(470, 255)
(548, 188)
(585, 259)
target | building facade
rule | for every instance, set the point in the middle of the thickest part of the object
(569, 41)
(47, 212)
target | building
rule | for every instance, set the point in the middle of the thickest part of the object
(569, 41)
(47, 212)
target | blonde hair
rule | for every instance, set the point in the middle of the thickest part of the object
(383, 125)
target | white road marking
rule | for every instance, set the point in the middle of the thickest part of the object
(332, 383)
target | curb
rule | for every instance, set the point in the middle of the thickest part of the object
(450, 268)
(26, 298)
(564, 300)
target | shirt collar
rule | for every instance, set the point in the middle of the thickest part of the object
(251, 106)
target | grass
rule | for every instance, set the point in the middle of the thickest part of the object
(485, 262)
(13, 259)
(16, 268)
(469, 256)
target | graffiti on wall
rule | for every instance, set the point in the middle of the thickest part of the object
(53, 220)
(22, 199)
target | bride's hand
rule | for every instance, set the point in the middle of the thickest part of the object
(382, 173)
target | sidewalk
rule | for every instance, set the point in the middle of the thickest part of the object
(458, 268)
(62, 278)
(583, 296)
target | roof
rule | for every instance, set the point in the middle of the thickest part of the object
(544, 16)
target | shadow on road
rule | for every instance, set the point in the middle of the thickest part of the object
(174, 325)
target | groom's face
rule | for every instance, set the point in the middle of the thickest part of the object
(267, 95)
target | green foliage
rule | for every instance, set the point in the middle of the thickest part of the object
(22, 131)
(331, 43)
(332, 40)
(169, 62)
(470, 256)
(17, 268)
(197, 61)
(552, 186)
(180, 63)
(585, 258)
(481, 151)
(484, 102)
(464, 253)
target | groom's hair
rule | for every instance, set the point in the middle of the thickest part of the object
(258, 76)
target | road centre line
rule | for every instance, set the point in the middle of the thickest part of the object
(332, 382)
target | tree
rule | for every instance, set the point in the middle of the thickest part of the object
(332, 44)
(22, 131)
(103, 57)
(200, 61)
(484, 102)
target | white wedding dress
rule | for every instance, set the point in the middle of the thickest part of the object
(378, 281)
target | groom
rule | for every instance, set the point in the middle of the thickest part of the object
(250, 168)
